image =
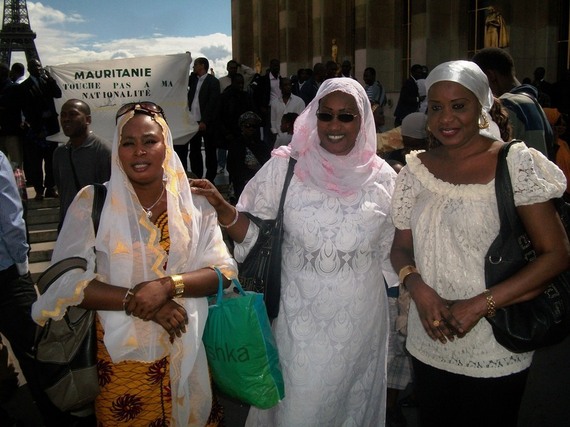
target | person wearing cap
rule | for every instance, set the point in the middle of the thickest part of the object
(445, 211)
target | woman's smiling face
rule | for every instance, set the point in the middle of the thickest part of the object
(338, 137)
(453, 113)
(142, 149)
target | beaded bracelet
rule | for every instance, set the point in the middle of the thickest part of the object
(235, 220)
(491, 305)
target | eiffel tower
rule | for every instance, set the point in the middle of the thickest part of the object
(16, 34)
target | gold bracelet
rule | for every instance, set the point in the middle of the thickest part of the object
(491, 305)
(406, 271)
(178, 285)
(235, 220)
(126, 300)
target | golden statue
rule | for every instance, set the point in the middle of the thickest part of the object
(334, 50)
(495, 29)
(258, 65)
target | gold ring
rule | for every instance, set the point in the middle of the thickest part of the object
(436, 323)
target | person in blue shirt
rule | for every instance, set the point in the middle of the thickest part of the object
(13, 245)
(16, 287)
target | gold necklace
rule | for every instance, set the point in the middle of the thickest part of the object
(149, 209)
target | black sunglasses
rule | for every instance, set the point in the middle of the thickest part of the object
(146, 107)
(343, 117)
(249, 125)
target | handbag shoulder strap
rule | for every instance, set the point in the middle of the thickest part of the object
(288, 176)
(504, 189)
(508, 215)
(100, 193)
(267, 225)
(61, 267)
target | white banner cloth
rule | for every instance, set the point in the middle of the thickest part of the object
(106, 85)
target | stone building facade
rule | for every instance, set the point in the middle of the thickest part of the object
(391, 35)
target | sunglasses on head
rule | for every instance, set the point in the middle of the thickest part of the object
(343, 117)
(146, 107)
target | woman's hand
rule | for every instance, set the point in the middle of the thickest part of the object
(149, 297)
(229, 218)
(468, 312)
(173, 318)
(435, 312)
(205, 188)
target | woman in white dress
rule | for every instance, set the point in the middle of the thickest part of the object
(446, 214)
(332, 327)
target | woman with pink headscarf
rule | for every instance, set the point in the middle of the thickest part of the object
(332, 327)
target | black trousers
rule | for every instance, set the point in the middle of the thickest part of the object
(196, 161)
(38, 158)
(451, 400)
(182, 151)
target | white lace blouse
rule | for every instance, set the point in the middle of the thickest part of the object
(453, 227)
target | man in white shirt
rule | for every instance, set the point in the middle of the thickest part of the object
(233, 67)
(203, 93)
(286, 103)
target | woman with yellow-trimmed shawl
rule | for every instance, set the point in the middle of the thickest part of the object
(149, 271)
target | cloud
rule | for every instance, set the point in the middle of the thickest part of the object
(58, 43)
(50, 15)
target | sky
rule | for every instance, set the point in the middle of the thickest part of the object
(75, 31)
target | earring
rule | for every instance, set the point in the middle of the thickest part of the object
(485, 123)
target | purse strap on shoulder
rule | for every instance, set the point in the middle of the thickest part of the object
(288, 176)
(504, 189)
(99, 194)
(61, 267)
(508, 215)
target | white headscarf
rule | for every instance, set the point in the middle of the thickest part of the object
(332, 174)
(469, 75)
(129, 252)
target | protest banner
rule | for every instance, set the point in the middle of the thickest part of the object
(106, 85)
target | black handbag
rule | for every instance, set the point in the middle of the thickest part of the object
(260, 271)
(65, 350)
(544, 320)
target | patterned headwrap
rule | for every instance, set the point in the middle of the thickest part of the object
(248, 115)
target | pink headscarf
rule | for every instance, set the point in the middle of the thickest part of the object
(332, 174)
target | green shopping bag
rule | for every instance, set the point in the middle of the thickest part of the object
(241, 349)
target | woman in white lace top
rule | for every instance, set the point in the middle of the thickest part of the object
(446, 217)
(332, 327)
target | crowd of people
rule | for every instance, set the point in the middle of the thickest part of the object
(382, 273)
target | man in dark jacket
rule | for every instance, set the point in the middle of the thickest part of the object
(409, 101)
(10, 119)
(526, 117)
(37, 94)
(203, 93)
